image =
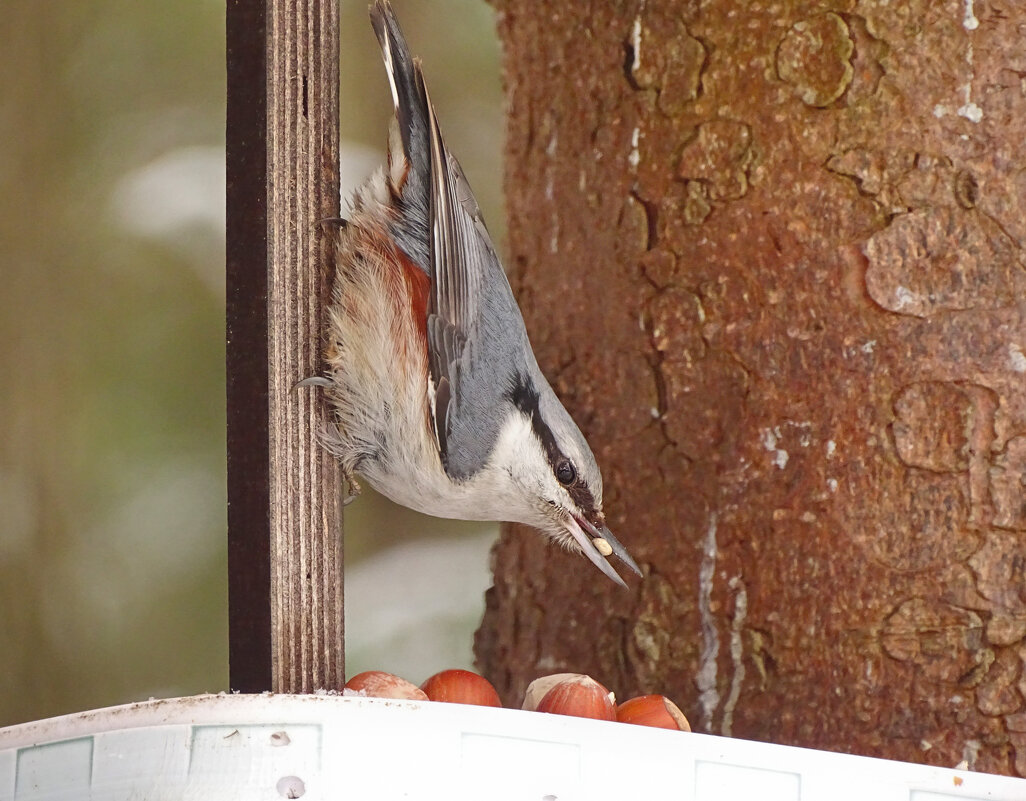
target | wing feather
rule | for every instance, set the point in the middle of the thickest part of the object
(475, 335)
(457, 274)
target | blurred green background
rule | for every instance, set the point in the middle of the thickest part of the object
(112, 467)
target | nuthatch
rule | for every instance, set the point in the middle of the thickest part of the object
(438, 400)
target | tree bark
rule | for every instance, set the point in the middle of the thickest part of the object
(771, 257)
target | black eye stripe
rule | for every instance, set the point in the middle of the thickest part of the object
(524, 396)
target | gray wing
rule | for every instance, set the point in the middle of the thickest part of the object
(476, 336)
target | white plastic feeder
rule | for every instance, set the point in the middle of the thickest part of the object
(226, 747)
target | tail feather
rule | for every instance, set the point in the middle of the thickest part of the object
(407, 84)
(413, 113)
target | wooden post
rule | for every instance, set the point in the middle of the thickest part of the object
(302, 169)
(285, 551)
(249, 607)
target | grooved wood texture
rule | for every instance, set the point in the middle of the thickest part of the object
(305, 515)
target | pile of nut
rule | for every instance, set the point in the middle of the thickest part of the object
(561, 694)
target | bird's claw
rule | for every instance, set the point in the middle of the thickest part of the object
(352, 491)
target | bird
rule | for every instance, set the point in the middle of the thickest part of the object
(435, 396)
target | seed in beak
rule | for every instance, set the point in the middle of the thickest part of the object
(602, 546)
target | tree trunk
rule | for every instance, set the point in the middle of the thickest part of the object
(771, 257)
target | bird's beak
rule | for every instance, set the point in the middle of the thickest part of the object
(585, 533)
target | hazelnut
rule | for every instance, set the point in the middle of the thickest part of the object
(461, 687)
(378, 684)
(536, 689)
(652, 710)
(580, 696)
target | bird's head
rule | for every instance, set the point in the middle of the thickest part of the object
(554, 477)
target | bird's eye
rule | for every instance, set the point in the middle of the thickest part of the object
(565, 473)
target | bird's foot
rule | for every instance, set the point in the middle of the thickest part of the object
(353, 489)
